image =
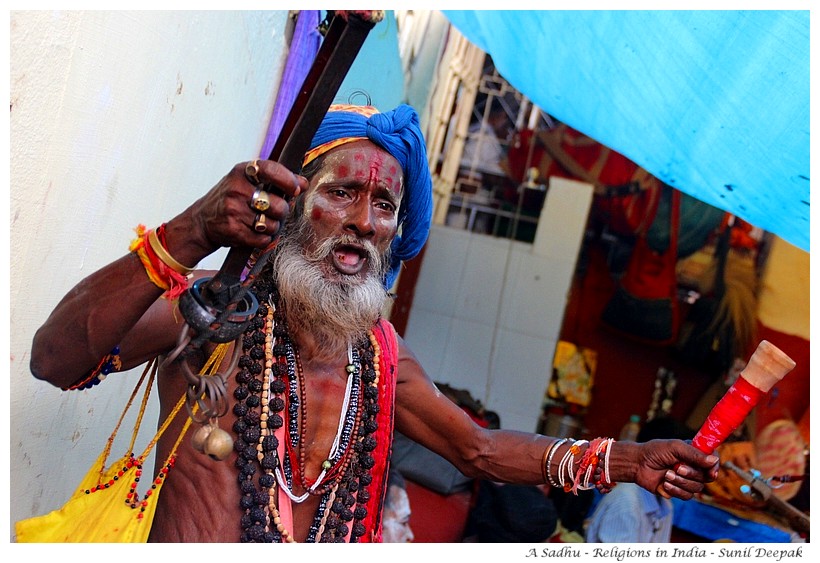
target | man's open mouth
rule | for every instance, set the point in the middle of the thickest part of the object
(349, 259)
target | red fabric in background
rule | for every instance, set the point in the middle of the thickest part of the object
(625, 214)
(437, 518)
(617, 169)
(628, 365)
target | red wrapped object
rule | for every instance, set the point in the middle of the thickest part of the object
(766, 367)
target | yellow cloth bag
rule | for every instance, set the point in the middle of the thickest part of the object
(101, 510)
(102, 516)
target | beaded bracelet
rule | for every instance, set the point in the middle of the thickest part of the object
(593, 466)
(588, 467)
(603, 482)
(110, 363)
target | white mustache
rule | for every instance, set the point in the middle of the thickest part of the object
(375, 260)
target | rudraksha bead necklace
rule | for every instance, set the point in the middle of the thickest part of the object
(267, 387)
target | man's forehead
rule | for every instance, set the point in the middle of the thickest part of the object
(363, 158)
(361, 150)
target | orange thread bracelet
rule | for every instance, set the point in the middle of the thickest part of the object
(161, 274)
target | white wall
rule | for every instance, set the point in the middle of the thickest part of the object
(116, 119)
(487, 312)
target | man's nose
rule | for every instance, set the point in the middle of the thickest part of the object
(360, 218)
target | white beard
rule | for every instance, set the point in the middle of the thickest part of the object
(335, 312)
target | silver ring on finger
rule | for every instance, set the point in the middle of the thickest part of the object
(259, 223)
(260, 200)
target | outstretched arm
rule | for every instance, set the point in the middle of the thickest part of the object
(120, 306)
(431, 419)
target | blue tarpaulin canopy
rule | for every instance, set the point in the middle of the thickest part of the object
(714, 103)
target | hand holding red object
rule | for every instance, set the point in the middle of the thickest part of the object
(766, 367)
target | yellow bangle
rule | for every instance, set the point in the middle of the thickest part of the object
(163, 255)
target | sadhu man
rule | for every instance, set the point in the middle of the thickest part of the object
(322, 379)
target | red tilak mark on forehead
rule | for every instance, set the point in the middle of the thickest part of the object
(342, 170)
(358, 156)
(393, 170)
(376, 165)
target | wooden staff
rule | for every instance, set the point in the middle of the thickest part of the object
(218, 309)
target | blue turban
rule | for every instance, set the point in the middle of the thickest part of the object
(398, 132)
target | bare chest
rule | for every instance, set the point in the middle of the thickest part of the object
(313, 416)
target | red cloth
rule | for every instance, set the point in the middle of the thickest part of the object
(625, 214)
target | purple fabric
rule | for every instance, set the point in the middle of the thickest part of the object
(303, 48)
